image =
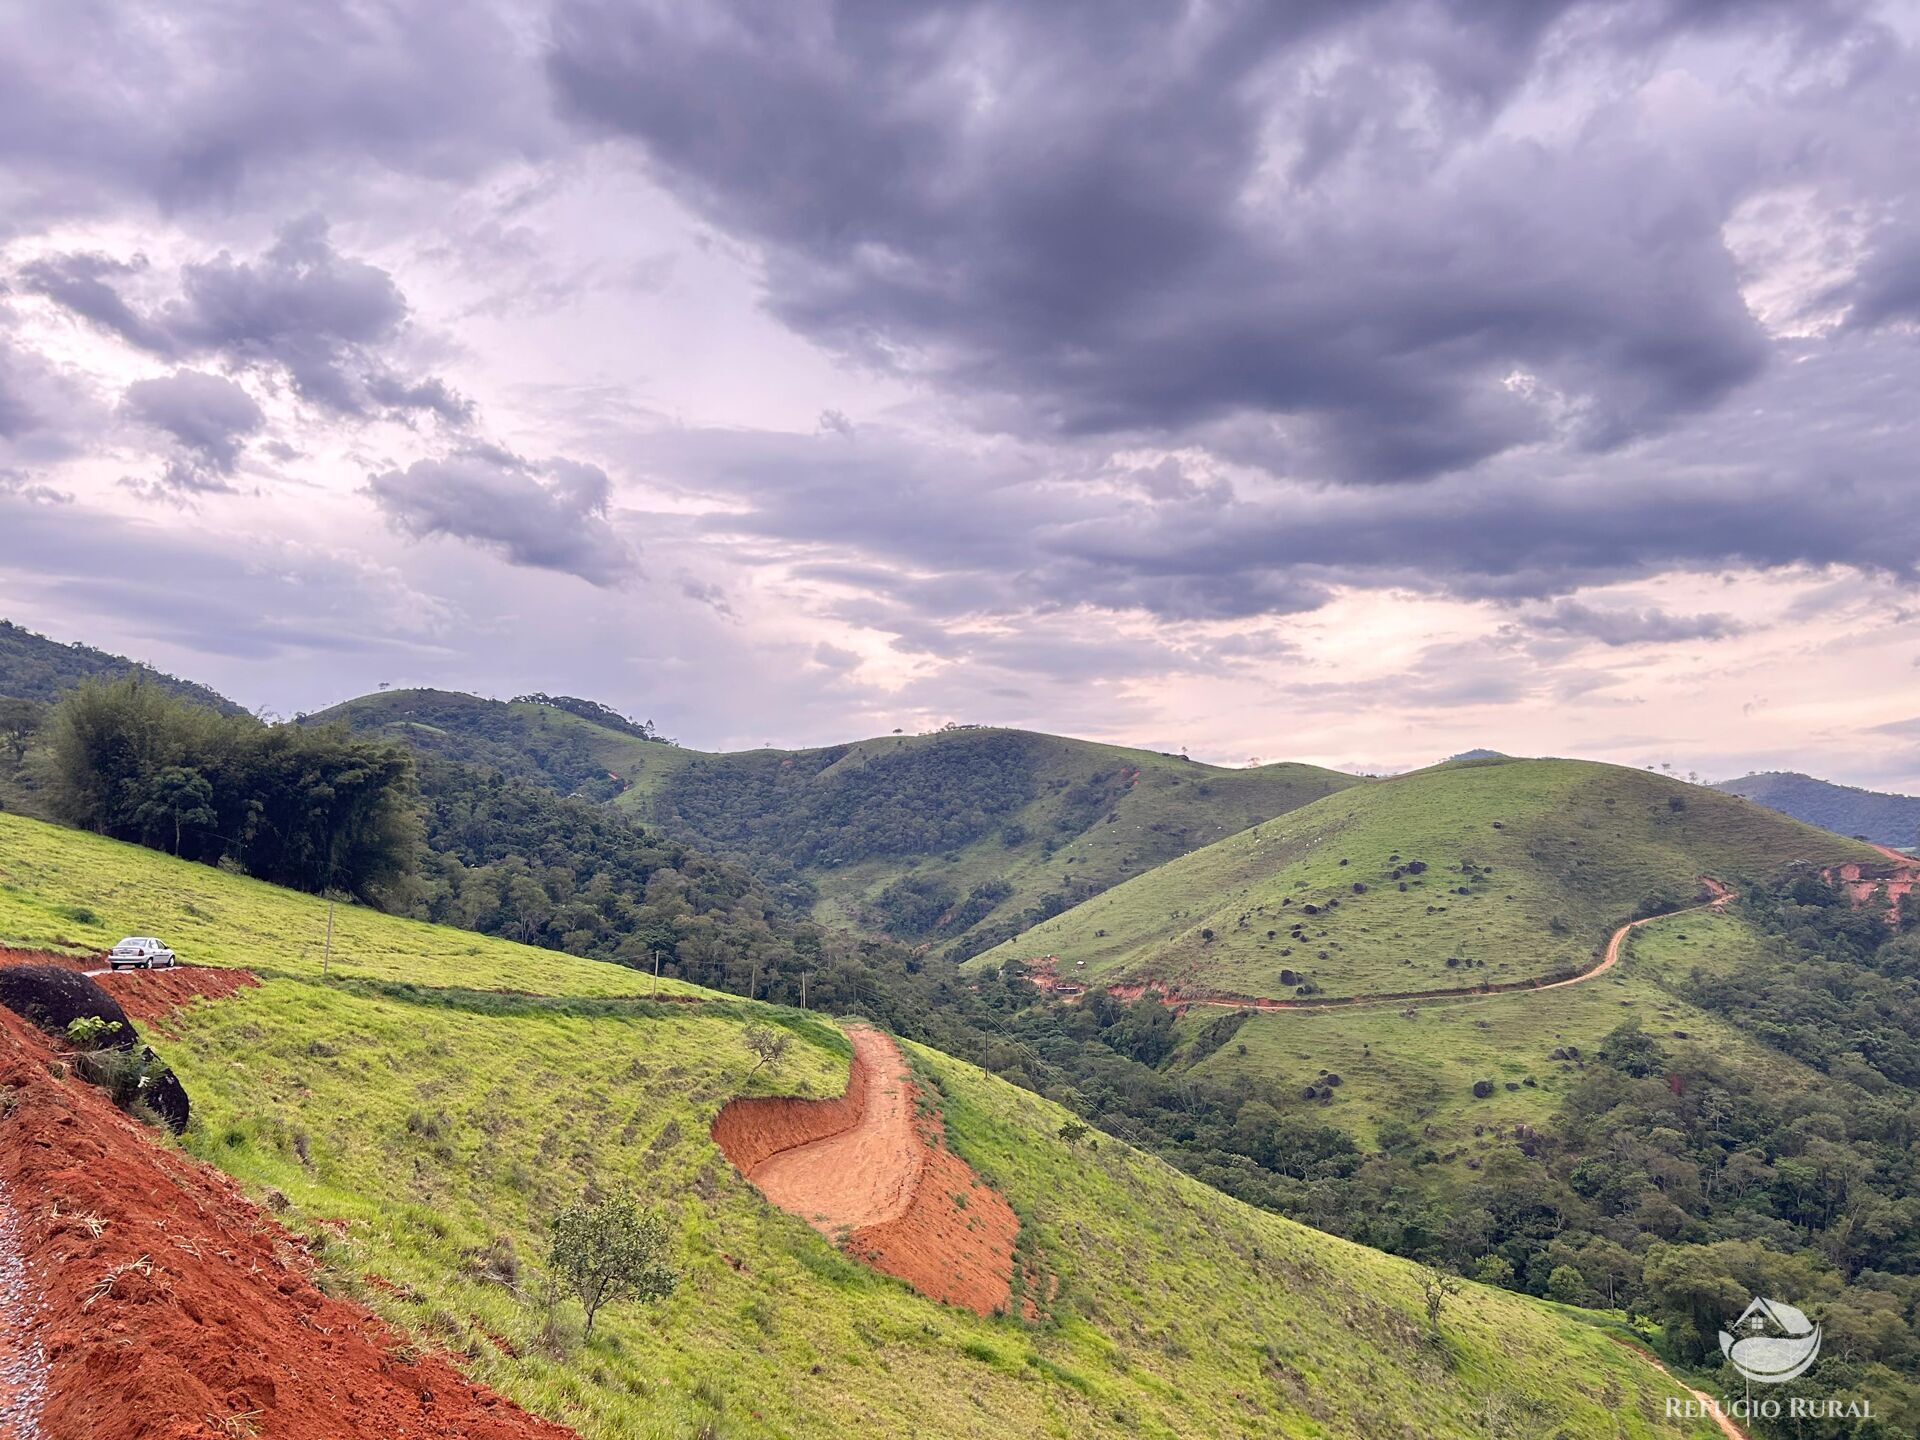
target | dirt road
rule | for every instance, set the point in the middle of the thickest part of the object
(863, 1175)
(871, 1171)
(1608, 959)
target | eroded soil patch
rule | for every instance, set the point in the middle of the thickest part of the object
(155, 994)
(870, 1170)
(168, 1306)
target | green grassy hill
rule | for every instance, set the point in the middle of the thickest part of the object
(1416, 1065)
(422, 1125)
(1470, 873)
(956, 839)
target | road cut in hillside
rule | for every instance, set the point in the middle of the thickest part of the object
(870, 1170)
(148, 1299)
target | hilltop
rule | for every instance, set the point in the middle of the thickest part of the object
(509, 1080)
(32, 667)
(1883, 818)
(1472, 873)
(956, 839)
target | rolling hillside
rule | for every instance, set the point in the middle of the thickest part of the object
(956, 839)
(419, 1126)
(1844, 809)
(1483, 872)
(32, 667)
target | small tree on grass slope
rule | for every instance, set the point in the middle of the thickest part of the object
(609, 1251)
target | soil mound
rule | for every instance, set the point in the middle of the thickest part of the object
(53, 997)
(167, 1306)
(154, 994)
(870, 1169)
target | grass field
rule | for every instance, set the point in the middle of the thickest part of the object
(70, 892)
(444, 1124)
(1418, 1064)
(1470, 873)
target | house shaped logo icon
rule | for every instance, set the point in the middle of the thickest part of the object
(1771, 1342)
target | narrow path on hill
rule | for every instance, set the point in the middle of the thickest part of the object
(23, 1365)
(1720, 1417)
(864, 1175)
(1610, 957)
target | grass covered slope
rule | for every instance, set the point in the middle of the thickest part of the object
(1471, 873)
(1416, 1065)
(961, 837)
(423, 1135)
(958, 838)
(74, 893)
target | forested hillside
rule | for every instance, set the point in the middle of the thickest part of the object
(32, 667)
(1882, 818)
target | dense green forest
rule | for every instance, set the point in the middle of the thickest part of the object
(522, 743)
(913, 801)
(34, 668)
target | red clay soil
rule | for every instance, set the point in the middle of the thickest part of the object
(868, 1170)
(1043, 974)
(155, 994)
(168, 1307)
(1899, 876)
(10, 956)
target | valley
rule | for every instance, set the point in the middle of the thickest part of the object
(989, 1073)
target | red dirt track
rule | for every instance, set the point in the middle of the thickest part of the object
(169, 1307)
(154, 994)
(865, 1169)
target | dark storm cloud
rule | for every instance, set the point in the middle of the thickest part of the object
(551, 517)
(208, 416)
(200, 102)
(1628, 626)
(1143, 219)
(302, 308)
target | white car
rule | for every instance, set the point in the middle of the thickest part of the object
(141, 952)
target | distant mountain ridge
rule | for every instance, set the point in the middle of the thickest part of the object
(32, 667)
(1884, 818)
(956, 839)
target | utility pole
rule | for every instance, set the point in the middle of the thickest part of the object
(326, 960)
(656, 972)
(803, 989)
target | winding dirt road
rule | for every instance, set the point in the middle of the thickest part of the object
(1721, 894)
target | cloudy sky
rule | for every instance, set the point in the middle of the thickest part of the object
(1353, 381)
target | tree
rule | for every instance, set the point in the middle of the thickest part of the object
(611, 1252)
(1074, 1131)
(176, 798)
(20, 721)
(1437, 1287)
(767, 1044)
(1566, 1285)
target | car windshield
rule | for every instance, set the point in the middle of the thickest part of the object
(132, 942)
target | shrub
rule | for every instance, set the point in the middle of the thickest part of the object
(610, 1252)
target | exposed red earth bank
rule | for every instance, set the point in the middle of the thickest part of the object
(1863, 880)
(870, 1170)
(156, 1302)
